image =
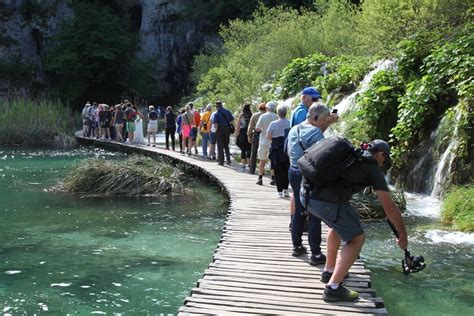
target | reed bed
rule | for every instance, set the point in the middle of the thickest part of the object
(137, 175)
(35, 123)
(369, 206)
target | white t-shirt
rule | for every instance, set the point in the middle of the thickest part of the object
(263, 122)
(213, 126)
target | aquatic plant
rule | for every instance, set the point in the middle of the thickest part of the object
(35, 123)
(369, 206)
(137, 175)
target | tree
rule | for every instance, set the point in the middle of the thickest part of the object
(92, 54)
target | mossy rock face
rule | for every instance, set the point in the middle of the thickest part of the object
(369, 206)
(137, 175)
(458, 208)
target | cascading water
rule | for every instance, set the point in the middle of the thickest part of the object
(350, 101)
(443, 169)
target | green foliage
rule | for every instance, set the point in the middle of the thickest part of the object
(378, 105)
(92, 54)
(17, 72)
(299, 73)
(34, 123)
(446, 71)
(458, 206)
(343, 73)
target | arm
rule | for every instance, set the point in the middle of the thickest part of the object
(394, 215)
(237, 127)
(269, 135)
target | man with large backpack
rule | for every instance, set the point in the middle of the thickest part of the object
(300, 138)
(332, 171)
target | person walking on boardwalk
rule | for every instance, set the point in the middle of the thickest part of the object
(241, 139)
(254, 136)
(330, 203)
(223, 120)
(179, 130)
(152, 126)
(309, 95)
(277, 133)
(205, 129)
(187, 124)
(170, 128)
(300, 138)
(263, 142)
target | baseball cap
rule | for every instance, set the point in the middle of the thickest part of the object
(311, 91)
(378, 145)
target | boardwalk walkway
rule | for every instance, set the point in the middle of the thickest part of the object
(252, 271)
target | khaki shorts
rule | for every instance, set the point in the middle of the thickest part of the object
(152, 127)
(262, 152)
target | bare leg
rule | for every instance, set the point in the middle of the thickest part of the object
(261, 167)
(333, 243)
(349, 254)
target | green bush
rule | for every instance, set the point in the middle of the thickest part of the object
(458, 206)
(34, 123)
(378, 105)
(447, 71)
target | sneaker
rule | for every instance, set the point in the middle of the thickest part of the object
(315, 260)
(272, 182)
(286, 193)
(260, 182)
(326, 276)
(342, 294)
(280, 195)
(242, 167)
(298, 251)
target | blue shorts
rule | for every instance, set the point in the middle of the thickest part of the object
(343, 218)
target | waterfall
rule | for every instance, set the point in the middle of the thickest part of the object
(443, 168)
(349, 102)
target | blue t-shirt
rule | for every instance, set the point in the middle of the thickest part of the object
(223, 117)
(308, 136)
(299, 114)
(178, 122)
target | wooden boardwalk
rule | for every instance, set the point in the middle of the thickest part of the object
(252, 271)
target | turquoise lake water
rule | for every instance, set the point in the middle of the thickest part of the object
(63, 254)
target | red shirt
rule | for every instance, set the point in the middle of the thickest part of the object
(197, 118)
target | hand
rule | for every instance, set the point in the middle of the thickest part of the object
(334, 118)
(249, 140)
(402, 242)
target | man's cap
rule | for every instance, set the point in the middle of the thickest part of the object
(379, 145)
(311, 91)
(219, 103)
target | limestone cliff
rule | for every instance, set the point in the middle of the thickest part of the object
(169, 35)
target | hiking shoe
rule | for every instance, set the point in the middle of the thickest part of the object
(326, 276)
(280, 195)
(272, 182)
(342, 294)
(315, 260)
(260, 182)
(286, 193)
(298, 251)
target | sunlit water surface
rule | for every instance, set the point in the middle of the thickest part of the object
(445, 287)
(63, 254)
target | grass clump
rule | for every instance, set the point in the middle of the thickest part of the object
(34, 123)
(137, 175)
(458, 208)
(369, 206)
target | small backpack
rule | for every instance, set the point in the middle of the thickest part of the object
(131, 115)
(326, 161)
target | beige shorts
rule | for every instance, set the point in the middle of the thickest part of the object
(262, 152)
(152, 127)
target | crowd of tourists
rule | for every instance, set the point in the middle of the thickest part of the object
(266, 135)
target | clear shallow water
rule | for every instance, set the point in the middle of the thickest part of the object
(66, 254)
(445, 286)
